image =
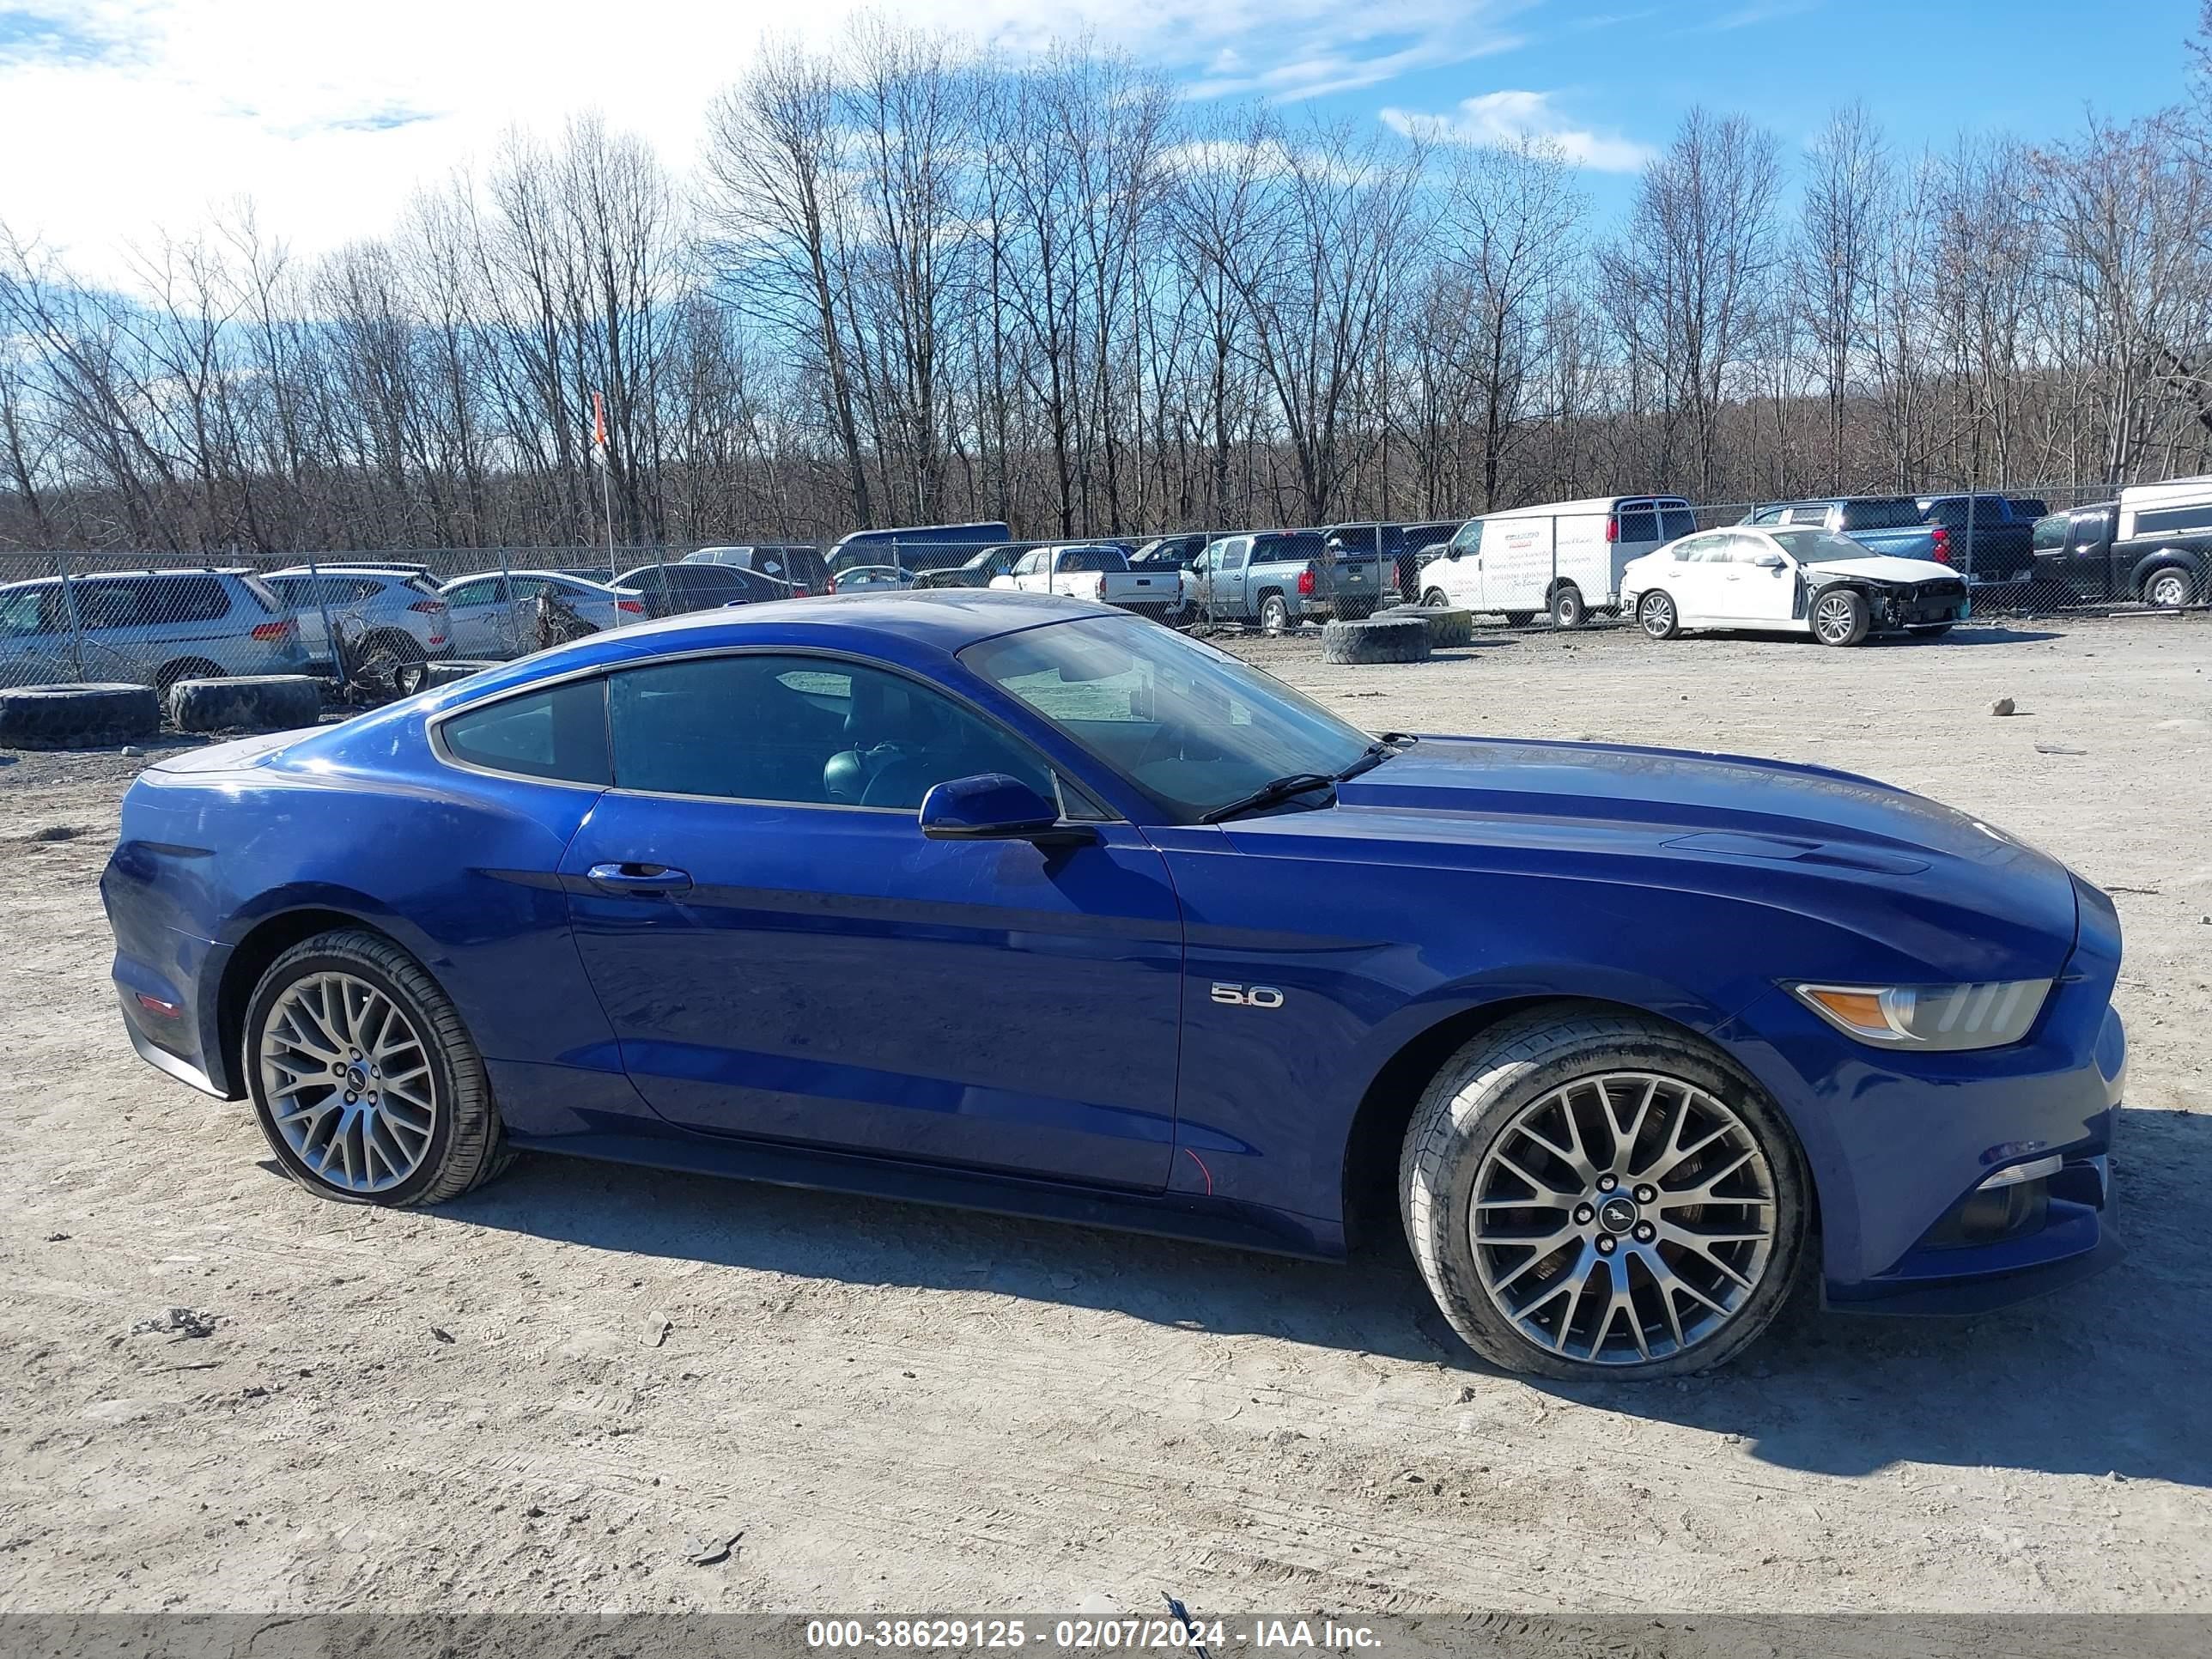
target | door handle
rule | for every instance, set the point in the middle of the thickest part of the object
(640, 879)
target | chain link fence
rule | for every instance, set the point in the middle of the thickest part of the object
(370, 622)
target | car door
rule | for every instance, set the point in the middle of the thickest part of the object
(1459, 572)
(1693, 578)
(785, 955)
(477, 614)
(1232, 578)
(35, 638)
(1750, 592)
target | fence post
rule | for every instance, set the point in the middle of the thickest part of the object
(510, 627)
(68, 604)
(329, 634)
(1967, 571)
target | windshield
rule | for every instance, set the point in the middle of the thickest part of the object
(1191, 725)
(1809, 546)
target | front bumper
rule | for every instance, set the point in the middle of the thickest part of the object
(1902, 1159)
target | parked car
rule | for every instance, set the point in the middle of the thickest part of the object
(1224, 940)
(872, 578)
(1791, 579)
(382, 610)
(155, 627)
(798, 565)
(977, 572)
(1176, 552)
(1879, 523)
(916, 547)
(1278, 578)
(492, 613)
(1562, 557)
(667, 590)
(1400, 547)
(1987, 539)
(1096, 571)
(2153, 544)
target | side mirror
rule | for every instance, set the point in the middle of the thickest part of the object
(990, 807)
(1768, 562)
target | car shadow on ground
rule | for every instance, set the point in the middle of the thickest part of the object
(2098, 1379)
(1973, 633)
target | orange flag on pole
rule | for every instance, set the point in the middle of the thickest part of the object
(599, 425)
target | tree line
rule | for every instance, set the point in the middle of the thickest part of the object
(908, 283)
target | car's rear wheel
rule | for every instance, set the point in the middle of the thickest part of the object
(1436, 600)
(368, 1086)
(1567, 608)
(1656, 614)
(1840, 619)
(1275, 615)
(2168, 589)
(1589, 1192)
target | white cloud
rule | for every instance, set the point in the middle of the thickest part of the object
(121, 117)
(1502, 118)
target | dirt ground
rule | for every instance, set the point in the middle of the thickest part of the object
(546, 1395)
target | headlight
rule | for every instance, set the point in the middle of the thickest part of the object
(1938, 1016)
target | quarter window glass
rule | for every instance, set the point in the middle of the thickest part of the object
(559, 733)
(812, 731)
(474, 592)
(19, 611)
(1639, 524)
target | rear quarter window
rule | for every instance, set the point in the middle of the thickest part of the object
(1881, 514)
(559, 734)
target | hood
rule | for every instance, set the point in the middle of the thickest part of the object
(1917, 872)
(1880, 568)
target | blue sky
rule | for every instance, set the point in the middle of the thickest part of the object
(121, 116)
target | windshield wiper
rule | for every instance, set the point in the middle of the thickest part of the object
(1275, 790)
(1389, 746)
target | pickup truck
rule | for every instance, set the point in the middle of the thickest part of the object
(1096, 571)
(1280, 578)
(2154, 544)
(1890, 525)
(979, 572)
(1403, 545)
(1995, 546)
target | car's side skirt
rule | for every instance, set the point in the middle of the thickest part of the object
(1174, 1215)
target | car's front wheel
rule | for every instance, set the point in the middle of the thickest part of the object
(1592, 1191)
(368, 1086)
(1841, 617)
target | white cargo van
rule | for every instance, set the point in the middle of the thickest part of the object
(1564, 557)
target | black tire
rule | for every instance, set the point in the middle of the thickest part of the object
(1840, 619)
(1656, 615)
(1567, 608)
(2167, 589)
(1476, 1099)
(1378, 640)
(250, 703)
(78, 716)
(1520, 618)
(453, 668)
(1275, 615)
(185, 668)
(467, 1145)
(1436, 600)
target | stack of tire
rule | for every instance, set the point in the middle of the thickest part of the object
(78, 716)
(1379, 639)
(1448, 625)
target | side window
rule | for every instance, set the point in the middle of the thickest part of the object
(479, 592)
(1813, 513)
(1235, 554)
(528, 587)
(1747, 548)
(187, 600)
(1030, 562)
(810, 732)
(1685, 550)
(1469, 539)
(18, 612)
(113, 605)
(1766, 515)
(558, 733)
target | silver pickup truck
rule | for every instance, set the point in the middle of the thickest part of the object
(1280, 578)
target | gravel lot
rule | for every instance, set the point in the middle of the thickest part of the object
(536, 1397)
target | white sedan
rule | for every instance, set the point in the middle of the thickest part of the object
(493, 613)
(1792, 580)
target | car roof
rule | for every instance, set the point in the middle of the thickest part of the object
(946, 619)
(80, 577)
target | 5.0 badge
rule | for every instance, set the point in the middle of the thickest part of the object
(1248, 996)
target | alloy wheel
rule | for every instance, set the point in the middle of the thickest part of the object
(347, 1081)
(1623, 1219)
(1831, 619)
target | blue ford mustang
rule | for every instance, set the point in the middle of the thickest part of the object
(1020, 903)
